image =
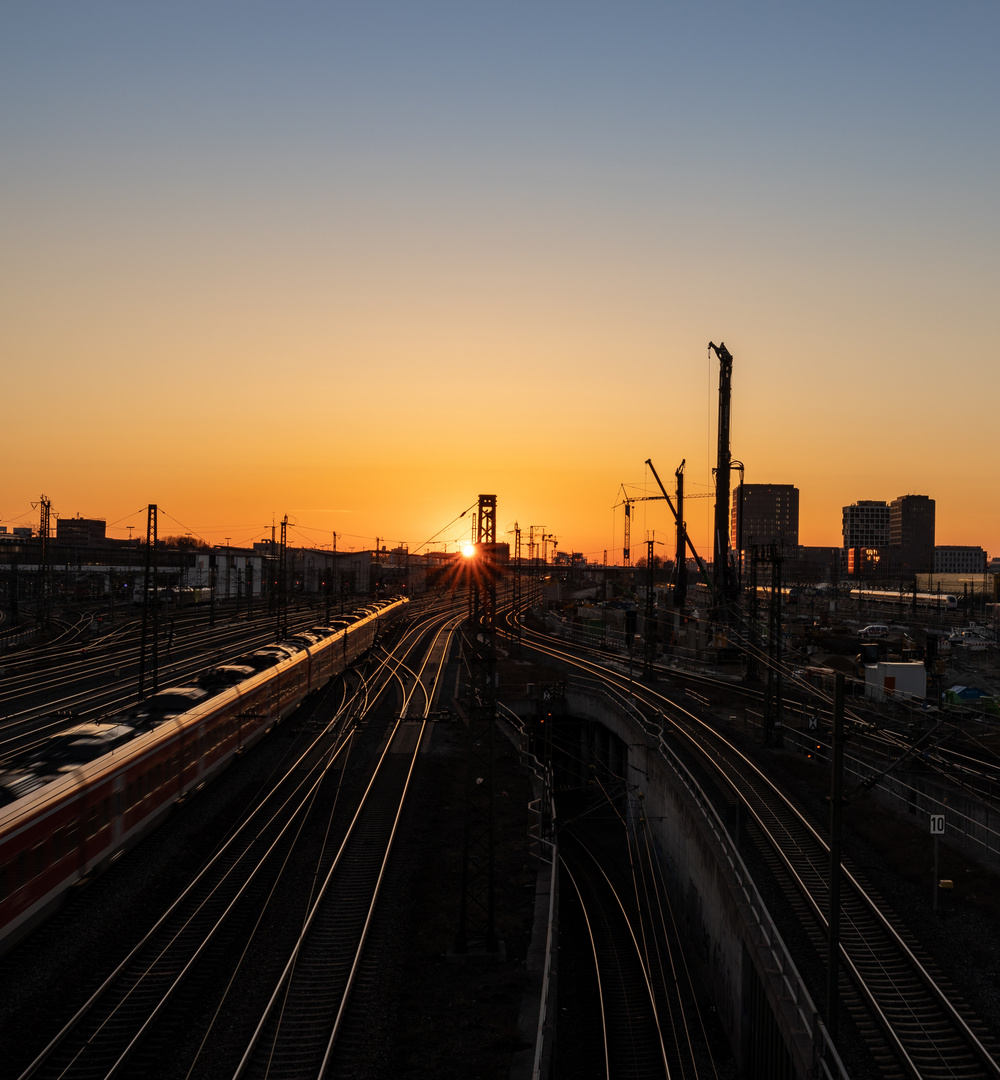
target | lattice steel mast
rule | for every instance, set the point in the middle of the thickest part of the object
(476, 930)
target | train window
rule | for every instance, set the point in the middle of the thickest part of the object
(22, 869)
(105, 811)
(118, 803)
(39, 860)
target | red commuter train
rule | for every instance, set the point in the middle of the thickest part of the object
(102, 787)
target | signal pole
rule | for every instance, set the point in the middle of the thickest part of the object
(149, 610)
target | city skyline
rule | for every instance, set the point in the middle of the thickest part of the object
(361, 264)
(303, 535)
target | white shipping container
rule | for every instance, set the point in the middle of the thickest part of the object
(902, 679)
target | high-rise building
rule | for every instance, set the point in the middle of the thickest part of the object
(911, 533)
(764, 514)
(80, 530)
(866, 525)
(959, 560)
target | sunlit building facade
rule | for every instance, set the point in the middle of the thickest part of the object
(866, 525)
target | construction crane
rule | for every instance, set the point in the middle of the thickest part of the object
(627, 501)
(546, 539)
(680, 525)
(720, 549)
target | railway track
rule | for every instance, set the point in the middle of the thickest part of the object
(631, 1038)
(923, 1029)
(286, 883)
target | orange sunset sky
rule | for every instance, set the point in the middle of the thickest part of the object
(360, 263)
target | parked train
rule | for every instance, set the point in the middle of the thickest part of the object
(924, 600)
(96, 789)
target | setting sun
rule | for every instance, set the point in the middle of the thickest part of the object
(469, 550)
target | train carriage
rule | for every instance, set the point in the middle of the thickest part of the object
(68, 822)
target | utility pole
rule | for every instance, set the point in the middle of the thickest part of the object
(517, 599)
(649, 635)
(44, 584)
(680, 570)
(378, 568)
(282, 582)
(272, 577)
(534, 548)
(212, 580)
(720, 550)
(150, 607)
(753, 630)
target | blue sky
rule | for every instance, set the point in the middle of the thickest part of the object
(234, 212)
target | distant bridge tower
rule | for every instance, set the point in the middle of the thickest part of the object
(476, 930)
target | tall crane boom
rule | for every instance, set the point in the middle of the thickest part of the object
(720, 548)
(680, 524)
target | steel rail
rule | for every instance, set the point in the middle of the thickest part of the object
(251, 827)
(273, 1015)
(597, 966)
(926, 978)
